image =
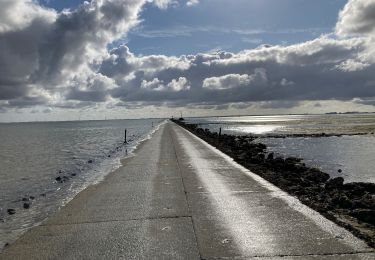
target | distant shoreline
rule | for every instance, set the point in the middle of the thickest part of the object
(350, 205)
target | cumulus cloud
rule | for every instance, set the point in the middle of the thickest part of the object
(95, 88)
(61, 60)
(158, 85)
(18, 14)
(154, 84)
(236, 80)
(357, 17)
(312, 70)
(45, 50)
(285, 82)
(48, 50)
(163, 4)
(178, 85)
(192, 2)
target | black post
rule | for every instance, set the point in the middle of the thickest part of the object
(125, 137)
(219, 132)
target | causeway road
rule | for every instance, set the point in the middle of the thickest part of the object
(180, 198)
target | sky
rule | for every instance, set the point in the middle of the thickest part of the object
(64, 60)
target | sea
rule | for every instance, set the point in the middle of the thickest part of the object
(351, 156)
(45, 164)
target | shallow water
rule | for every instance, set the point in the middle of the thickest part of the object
(290, 124)
(354, 155)
(33, 155)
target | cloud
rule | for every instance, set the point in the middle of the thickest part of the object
(246, 34)
(178, 85)
(43, 49)
(61, 60)
(175, 85)
(314, 70)
(192, 2)
(19, 14)
(357, 18)
(48, 110)
(94, 89)
(46, 52)
(278, 104)
(154, 84)
(365, 101)
(284, 82)
(163, 4)
(235, 80)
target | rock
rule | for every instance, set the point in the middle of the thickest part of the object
(73, 174)
(25, 199)
(261, 156)
(242, 156)
(43, 195)
(369, 201)
(26, 205)
(342, 201)
(339, 171)
(369, 187)
(335, 183)
(32, 197)
(300, 168)
(270, 156)
(91, 161)
(365, 215)
(359, 203)
(354, 189)
(109, 155)
(316, 176)
(11, 211)
(58, 179)
(278, 163)
(292, 160)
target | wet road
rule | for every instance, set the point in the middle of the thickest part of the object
(179, 198)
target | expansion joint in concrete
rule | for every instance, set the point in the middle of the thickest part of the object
(116, 220)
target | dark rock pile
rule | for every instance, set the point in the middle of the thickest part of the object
(351, 205)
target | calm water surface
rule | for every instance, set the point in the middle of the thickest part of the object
(33, 155)
(354, 155)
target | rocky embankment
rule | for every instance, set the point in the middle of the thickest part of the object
(351, 205)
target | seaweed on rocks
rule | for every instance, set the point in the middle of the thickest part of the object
(350, 205)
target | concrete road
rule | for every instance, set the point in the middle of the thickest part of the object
(179, 198)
